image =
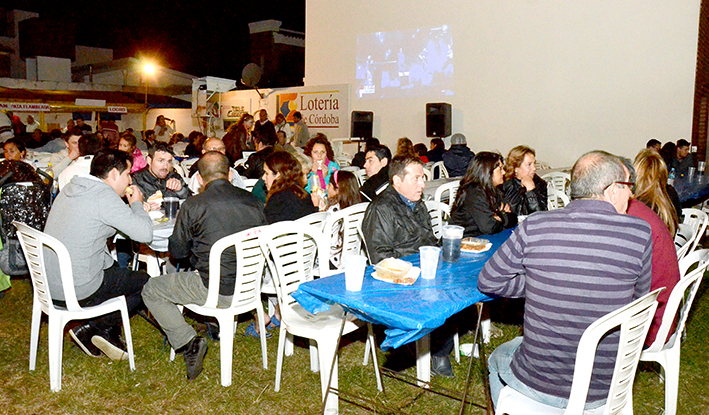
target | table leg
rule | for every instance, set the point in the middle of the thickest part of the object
(423, 359)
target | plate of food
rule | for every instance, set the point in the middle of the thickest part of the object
(475, 245)
(396, 271)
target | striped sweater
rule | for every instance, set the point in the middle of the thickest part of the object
(573, 266)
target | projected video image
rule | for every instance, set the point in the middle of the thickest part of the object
(405, 63)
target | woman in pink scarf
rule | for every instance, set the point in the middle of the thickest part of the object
(319, 149)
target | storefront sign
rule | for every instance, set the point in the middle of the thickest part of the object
(324, 108)
(118, 110)
(24, 106)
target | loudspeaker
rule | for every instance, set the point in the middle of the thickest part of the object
(438, 119)
(362, 122)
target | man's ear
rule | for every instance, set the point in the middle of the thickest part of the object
(231, 175)
(396, 181)
(148, 160)
(384, 161)
(113, 174)
(200, 180)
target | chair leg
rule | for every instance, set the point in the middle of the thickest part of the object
(34, 331)
(226, 348)
(262, 328)
(456, 346)
(372, 346)
(671, 369)
(281, 353)
(314, 365)
(289, 344)
(56, 342)
(327, 351)
(127, 334)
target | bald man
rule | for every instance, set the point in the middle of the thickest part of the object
(213, 144)
(220, 210)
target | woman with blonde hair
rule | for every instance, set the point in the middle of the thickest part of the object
(524, 190)
(651, 187)
(405, 147)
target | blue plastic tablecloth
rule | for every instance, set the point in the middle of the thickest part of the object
(694, 191)
(408, 312)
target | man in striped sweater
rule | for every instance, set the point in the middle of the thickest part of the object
(573, 266)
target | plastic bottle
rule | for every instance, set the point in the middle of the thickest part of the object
(671, 177)
(54, 184)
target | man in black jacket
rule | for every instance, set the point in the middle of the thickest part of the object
(220, 210)
(458, 157)
(160, 175)
(376, 165)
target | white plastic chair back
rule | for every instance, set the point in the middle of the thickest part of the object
(33, 244)
(316, 220)
(634, 321)
(178, 169)
(698, 220)
(667, 352)
(187, 164)
(448, 190)
(559, 180)
(240, 162)
(352, 169)
(427, 174)
(361, 175)
(556, 199)
(541, 165)
(344, 223)
(244, 246)
(683, 239)
(250, 183)
(440, 213)
(438, 170)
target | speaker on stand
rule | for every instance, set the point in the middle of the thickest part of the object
(361, 126)
(438, 119)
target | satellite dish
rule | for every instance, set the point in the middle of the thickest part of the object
(251, 75)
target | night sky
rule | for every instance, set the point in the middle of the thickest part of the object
(197, 37)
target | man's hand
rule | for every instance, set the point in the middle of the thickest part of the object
(133, 194)
(74, 154)
(173, 184)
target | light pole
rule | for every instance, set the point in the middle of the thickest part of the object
(148, 69)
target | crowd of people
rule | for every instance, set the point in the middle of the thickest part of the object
(612, 244)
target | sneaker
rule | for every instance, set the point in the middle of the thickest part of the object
(82, 337)
(110, 343)
(194, 356)
(441, 366)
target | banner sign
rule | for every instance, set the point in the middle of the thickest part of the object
(118, 110)
(324, 108)
(24, 106)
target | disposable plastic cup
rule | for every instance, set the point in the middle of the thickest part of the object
(690, 173)
(172, 205)
(452, 236)
(354, 271)
(429, 261)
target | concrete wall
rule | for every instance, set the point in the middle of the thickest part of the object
(563, 77)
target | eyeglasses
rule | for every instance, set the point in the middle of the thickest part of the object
(629, 185)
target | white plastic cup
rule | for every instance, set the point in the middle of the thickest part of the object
(451, 240)
(429, 261)
(354, 271)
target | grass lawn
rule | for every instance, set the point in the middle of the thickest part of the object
(91, 385)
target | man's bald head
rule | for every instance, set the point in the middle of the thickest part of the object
(212, 166)
(213, 144)
(593, 173)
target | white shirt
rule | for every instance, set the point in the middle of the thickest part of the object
(81, 165)
(236, 181)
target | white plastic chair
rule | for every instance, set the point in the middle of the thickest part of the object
(438, 170)
(667, 353)
(240, 162)
(247, 293)
(698, 220)
(344, 224)
(440, 213)
(361, 175)
(187, 164)
(179, 170)
(352, 169)
(250, 183)
(559, 180)
(633, 321)
(683, 239)
(33, 243)
(448, 190)
(556, 199)
(283, 246)
(427, 176)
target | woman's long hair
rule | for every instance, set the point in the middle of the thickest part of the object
(651, 187)
(479, 174)
(404, 147)
(244, 117)
(319, 138)
(515, 159)
(347, 187)
(290, 174)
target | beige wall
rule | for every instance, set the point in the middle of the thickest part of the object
(563, 77)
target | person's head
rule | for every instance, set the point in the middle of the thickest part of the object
(458, 140)
(406, 176)
(282, 171)
(14, 149)
(160, 160)
(37, 135)
(654, 144)
(343, 189)
(280, 119)
(404, 147)
(70, 124)
(370, 143)
(246, 120)
(602, 176)
(127, 143)
(113, 167)
(682, 148)
(30, 119)
(297, 116)
(89, 145)
(650, 186)
(438, 143)
(306, 164)
(160, 120)
(177, 138)
(318, 148)
(264, 139)
(668, 152)
(263, 115)
(72, 139)
(376, 158)
(282, 138)
(520, 163)
(213, 165)
(79, 121)
(213, 144)
(420, 149)
(150, 135)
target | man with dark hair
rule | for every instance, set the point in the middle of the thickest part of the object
(359, 158)
(301, 135)
(159, 175)
(253, 168)
(220, 210)
(654, 144)
(63, 158)
(458, 157)
(148, 141)
(85, 214)
(88, 146)
(438, 148)
(81, 125)
(265, 127)
(683, 159)
(376, 164)
(572, 266)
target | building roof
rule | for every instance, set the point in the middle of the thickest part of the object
(112, 98)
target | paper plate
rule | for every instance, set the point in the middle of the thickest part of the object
(408, 279)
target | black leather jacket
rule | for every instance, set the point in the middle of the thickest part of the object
(476, 216)
(523, 202)
(457, 159)
(392, 229)
(149, 184)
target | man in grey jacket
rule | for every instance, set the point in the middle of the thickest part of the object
(87, 212)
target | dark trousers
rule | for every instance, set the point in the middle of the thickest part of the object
(116, 282)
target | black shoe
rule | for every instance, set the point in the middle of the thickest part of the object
(110, 343)
(441, 366)
(82, 337)
(194, 356)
